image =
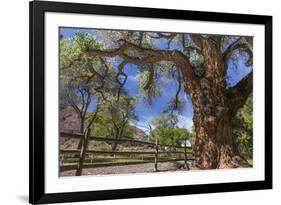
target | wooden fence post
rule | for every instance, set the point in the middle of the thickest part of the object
(156, 155)
(185, 155)
(83, 152)
(61, 159)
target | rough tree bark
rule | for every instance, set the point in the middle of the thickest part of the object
(214, 107)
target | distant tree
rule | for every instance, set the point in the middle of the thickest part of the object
(79, 98)
(165, 121)
(76, 89)
(182, 134)
(166, 131)
(113, 120)
(81, 84)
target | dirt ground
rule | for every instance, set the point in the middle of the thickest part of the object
(139, 168)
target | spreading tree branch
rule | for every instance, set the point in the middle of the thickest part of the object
(121, 73)
(76, 108)
(153, 55)
(94, 72)
(102, 77)
(197, 40)
(88, 100)
(178, 90)
(236, 45)
(238, 94)
(150, 77)
(81, 91)
(93, 118)
(147, 56)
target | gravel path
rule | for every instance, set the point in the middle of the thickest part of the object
(139, 168)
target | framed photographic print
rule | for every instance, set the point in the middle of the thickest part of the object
(139, 102)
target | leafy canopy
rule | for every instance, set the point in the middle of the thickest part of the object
(167, 132)
(243, 129)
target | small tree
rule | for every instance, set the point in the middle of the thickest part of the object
(114, 118)
(81, 85)
(167, 132)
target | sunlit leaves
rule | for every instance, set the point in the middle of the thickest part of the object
(167, 132)
(176, 104)
(72, 50)
(78, 70)
(243, 128)
(114, 117)
(165, 121)
(154, 90)
(196, 59)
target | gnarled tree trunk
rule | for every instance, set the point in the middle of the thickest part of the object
(214, 145)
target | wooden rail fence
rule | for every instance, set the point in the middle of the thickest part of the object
(89, 155)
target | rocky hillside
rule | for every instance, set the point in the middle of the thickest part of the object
(70, 122)
(139, 134)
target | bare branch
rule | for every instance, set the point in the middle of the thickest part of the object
(76, 108)
(178, 90)
(198, 40)
(235, 46)
(93, 71)
(238, 94)
(99, 89)
(88, 101)
(182, 62)
(121, 73)
(154, 56)
(93, 118)
(169, 36)
(150, 78)
(192, 48)
(83, 101)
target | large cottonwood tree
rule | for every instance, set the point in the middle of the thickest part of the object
(199, 64)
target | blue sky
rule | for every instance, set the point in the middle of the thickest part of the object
(146, 113)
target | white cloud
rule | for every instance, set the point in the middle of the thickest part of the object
(141, 125)
(133, 78)
(185, 122)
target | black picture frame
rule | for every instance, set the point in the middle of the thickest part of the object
(37, 193)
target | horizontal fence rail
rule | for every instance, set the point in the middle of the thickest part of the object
(79, 136)
(81, 156)
(66, 151)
